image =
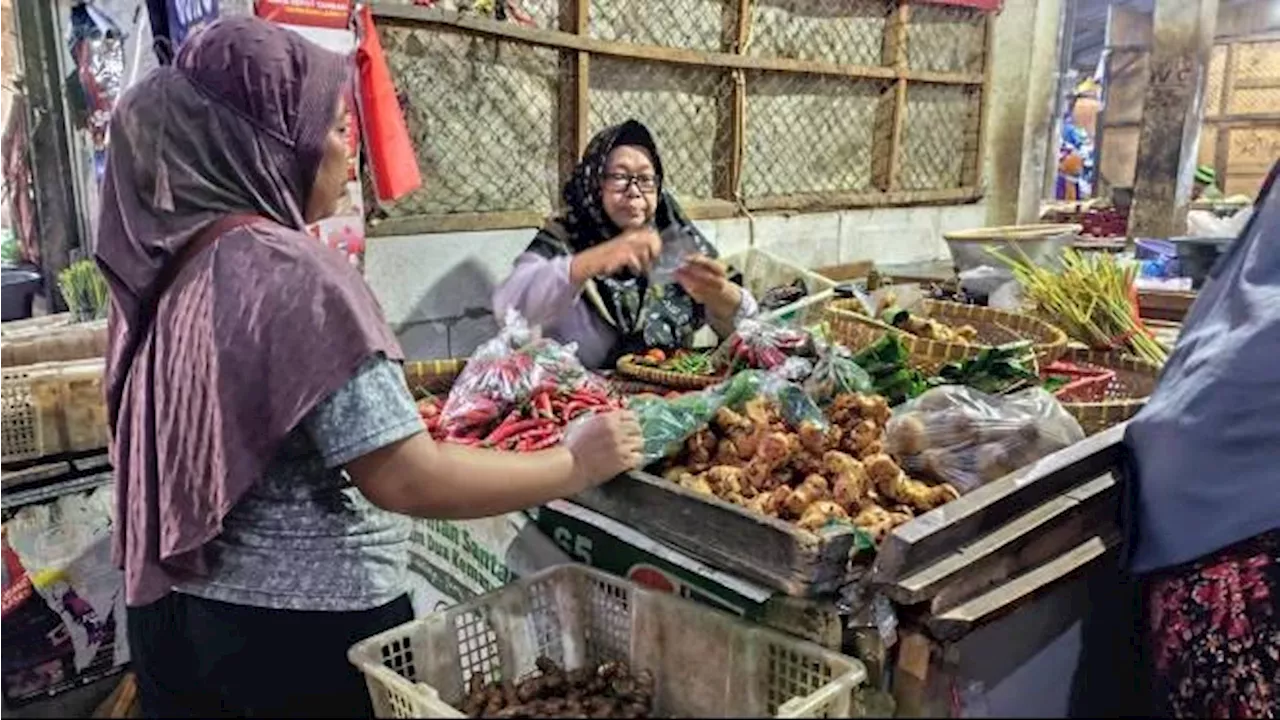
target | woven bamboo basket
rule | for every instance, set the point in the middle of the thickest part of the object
(53, 408)
(432, 376)
(1134, 381)
(856, 330)
(55, 343)
(628, 367)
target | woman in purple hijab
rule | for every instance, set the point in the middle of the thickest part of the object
(265, 446)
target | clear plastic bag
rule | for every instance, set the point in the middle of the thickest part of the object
(678, 243)
(667, 422)
(763, 346)
(836, 373)
(507, 370)
(958, 435)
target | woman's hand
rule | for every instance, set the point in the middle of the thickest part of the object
(633, 249)
(604, 446)
(706, 281)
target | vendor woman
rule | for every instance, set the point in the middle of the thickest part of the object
(584, 278)
(266, 450)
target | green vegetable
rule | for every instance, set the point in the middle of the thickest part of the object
(993, 370)
(887, 362)
(85, 290)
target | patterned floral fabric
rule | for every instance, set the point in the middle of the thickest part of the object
(1215, 635)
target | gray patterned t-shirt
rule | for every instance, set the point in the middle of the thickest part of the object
(304, 538)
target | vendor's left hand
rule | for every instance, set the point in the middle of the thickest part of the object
(705, 280)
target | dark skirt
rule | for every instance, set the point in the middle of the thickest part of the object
(1213, 632)
(200, 658)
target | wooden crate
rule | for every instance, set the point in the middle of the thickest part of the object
(767, 550)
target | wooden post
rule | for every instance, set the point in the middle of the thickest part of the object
(733, 133)
(1173, 106)
(575, 72)
(886, 159)
(1222, 136)
(57, 224)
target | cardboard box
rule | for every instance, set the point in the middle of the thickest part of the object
(601, 542)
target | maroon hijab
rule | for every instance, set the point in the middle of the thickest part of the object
(254, 331)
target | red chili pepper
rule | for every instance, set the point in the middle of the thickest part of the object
(505, 431)
(543, 444)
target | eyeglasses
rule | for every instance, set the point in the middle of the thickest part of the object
(621, 182)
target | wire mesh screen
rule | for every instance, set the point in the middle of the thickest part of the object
(492, 104)
(940, 130)
(808, 134)
(1255, 85)
(691, 24)
(482, 117)
(946, 38)
(686, 108)
(849, 32)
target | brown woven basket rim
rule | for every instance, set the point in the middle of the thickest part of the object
(680, 381)
(837, 308)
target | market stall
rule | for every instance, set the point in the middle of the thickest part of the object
(63, 597)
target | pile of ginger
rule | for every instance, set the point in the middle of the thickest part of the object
(811, 476)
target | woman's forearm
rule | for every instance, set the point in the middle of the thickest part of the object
(723, 316)
(540, 289)
(422, 478)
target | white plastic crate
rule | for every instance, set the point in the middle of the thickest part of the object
(706, 663)
(762, 270)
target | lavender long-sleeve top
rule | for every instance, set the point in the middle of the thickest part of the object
(541, 290)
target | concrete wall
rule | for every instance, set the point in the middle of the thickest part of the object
(436, 288)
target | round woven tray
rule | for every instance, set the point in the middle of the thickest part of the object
(1127, 393)
(856, 330)
(665, 378)
(433, 376)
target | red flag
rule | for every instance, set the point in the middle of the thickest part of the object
(392, 161)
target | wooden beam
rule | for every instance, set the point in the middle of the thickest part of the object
(1232, 120)
(455, 222)
(974, 177)
(1222, 135)
(870, 198)
(737, 115)
(582, 79)
(467, 23)
(886, 160)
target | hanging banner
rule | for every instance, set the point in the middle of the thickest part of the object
(187, 16)
(327, 23)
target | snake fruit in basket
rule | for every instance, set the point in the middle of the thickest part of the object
(609, 690)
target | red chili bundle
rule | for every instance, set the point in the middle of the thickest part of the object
(759, 346)
(535, 424)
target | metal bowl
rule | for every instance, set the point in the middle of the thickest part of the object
(1043, 243)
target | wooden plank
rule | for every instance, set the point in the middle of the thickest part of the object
(1026, 542)
(12, 479)
(937, 533)
(810, 202)
(963, 619)
(974, 177)
(582, 80)
(455, 222)
(1164, 305)
(737, 115)
(764, 549)
(891, 113)
(472, 24)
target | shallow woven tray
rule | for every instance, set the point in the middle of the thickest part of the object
(628, 367)
(1127, 393)
(433, 376)
(856, 330)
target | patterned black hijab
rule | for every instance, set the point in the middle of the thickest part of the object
(664, 316)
